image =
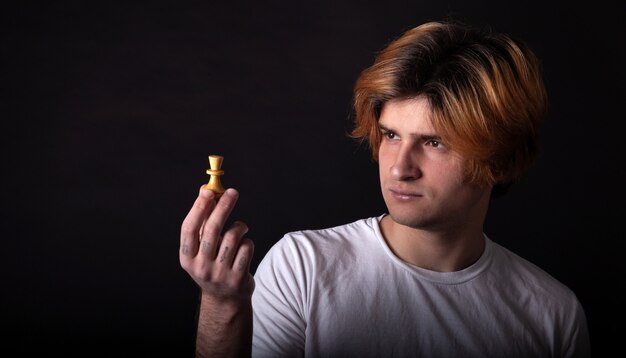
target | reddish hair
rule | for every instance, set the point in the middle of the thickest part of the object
(485, 90)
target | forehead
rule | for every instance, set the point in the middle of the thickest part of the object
(412, 115)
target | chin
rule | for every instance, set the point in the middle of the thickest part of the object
(408, 219)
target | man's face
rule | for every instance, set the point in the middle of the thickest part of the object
(422, 181)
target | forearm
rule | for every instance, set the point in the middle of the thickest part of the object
(224, 329)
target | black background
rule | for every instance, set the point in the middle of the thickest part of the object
(110, 109)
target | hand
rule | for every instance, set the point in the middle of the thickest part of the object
(218, 262)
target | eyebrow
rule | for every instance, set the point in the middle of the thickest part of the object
(424, 137)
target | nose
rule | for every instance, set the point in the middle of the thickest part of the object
(406, 164)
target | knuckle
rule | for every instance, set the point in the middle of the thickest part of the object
(201, 203)
(247, 246)
(210, 230)
(186, 230)
(185, 251)
(206, 246)
(226, 205)
(230, 238)
(235, 232)
(241, 266)
(227, 201)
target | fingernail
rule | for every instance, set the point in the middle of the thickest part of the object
(232, 192)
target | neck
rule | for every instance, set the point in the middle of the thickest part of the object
(442, 251)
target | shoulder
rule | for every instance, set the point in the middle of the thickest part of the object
(529, 278)
(542, 296)
(356, 232)
(319, 248)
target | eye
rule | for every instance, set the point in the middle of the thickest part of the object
(435, 143)
(389, 135)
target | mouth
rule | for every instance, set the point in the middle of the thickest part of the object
(404, 194)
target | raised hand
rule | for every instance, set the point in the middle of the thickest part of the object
(218, 261)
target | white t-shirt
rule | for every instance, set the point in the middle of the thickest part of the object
(341, 292)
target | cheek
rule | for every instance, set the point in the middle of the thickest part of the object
(383, 157)
(449, 174)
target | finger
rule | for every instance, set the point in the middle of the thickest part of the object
(214, 225)
(230, 243)
(193, 222)
(210, 239)
(242, 261)
(241, 276)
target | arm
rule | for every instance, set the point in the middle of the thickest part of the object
(218, 261)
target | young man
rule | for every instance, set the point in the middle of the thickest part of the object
(452, 115)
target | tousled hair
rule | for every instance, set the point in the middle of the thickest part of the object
(485, 91)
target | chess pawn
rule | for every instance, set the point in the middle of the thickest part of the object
(215, 184)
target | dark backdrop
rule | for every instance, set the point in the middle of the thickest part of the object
(109, 111)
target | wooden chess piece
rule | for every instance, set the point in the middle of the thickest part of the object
(215, 184)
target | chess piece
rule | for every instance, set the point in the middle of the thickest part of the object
(214, 184)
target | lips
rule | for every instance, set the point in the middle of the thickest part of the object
(402, 194)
